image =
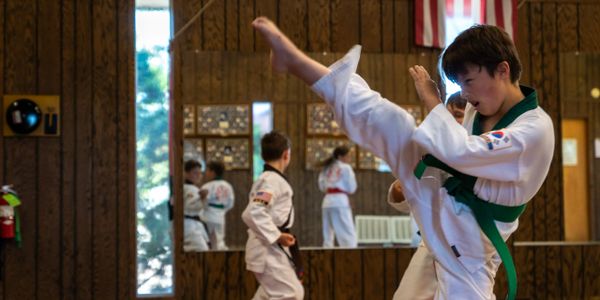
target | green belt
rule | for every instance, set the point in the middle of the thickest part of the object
(460, 186)
(215, 205)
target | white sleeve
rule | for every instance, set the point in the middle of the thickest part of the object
(230, 199)
(494, 155)
(257, 215)
(323, 181)
(368, 119)
(349, 179)
(401, 206)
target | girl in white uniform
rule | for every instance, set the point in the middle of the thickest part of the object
(269, 216)
(218, 197)
(498, 161)
(195, 237)
(337, 180)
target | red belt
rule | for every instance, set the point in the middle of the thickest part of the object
(335, 191)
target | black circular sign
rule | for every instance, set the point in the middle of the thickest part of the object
(23, 116)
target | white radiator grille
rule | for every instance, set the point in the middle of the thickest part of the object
(383, 229)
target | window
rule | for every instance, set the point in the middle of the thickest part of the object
(262, 123)
(154, 245)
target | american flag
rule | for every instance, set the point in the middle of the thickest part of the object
(430, 17)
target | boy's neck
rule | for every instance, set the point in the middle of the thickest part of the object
(279, 165)
(514, 95)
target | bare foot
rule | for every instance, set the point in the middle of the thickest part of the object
(283, 52)
(426, 88)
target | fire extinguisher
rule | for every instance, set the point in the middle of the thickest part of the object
(9, 217)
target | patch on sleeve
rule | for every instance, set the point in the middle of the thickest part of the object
(497, 140)
(262, 197)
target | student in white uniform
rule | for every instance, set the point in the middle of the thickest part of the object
(271, 251)
(467, 195)
(337, 180)
(218, 197)
(419, 281)
(195, 237)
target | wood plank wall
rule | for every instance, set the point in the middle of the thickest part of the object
(572, 273)
(78, 211)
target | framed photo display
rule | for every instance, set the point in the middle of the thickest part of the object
(193, 148)
(223, 120)
(189, 119)
(319, 149)
(233, 152)
(320, 121)
(368, 161)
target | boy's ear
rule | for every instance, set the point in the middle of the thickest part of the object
(503, 70)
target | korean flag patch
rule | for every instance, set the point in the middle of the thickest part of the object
(497, 140)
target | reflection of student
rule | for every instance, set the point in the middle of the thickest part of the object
(195, 237)
(337, 180)
(218, 197)
(269, 216)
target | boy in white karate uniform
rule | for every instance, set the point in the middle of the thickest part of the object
(195, 237)
(337, 181)
(270, 251)
(218, 197)
(467, 196)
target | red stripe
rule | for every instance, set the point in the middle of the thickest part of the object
(419, 22)
(433, 5)
(450, 8)
(513, 8)
(499, 13)
(483, 11)
(467, 8)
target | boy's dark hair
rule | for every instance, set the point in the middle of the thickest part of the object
(191, 164)
(216, 166)
(484, 46)
(273, 144)
(456, 100)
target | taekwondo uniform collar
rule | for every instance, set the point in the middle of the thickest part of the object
(268, 167)
(528, 103)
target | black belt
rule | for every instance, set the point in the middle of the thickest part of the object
(295, 257)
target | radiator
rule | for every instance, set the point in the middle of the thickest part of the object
(383, 229)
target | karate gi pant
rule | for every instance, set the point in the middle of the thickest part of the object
(216, 234)
(338, 224)
(194, 236)
(278, 281)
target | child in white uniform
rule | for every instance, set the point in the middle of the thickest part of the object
(195, 237)
(467, 196)
(270, 251)
(337, 180)
(218, 197)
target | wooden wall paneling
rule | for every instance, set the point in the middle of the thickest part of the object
(523, 256)
(388, 30)
(250, 285)
(192, 277)
(567, 28)
(246, 32)
(126, 206)
(267, 8)
(232, 25)
(21, 163)
(373, 263)
(187, 84)
(215, 280)
(412, 98)
(553, 270)
(319, 31)
(401, 79)
(388, 76)
(234, 268)
(572, 272)
(591, 273)
(371, 25)
(202, 78)
(589, 39)
(67, 129)
(193, 37)
(104, 155)
(321, 276)
(345, 30)
(522, 43)
(2, 58)
(536, 45)
(83, 141)
(48, 213)
(345, 262)
(293, 20)
(403, 26)
(551, 104)
(391, 278)
(213, 27)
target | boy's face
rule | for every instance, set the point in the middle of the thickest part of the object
(484, 92)
(194, 175)
(209, 174)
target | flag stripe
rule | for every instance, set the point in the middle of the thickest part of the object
(419, 22)
(434, 23)
(499, 13)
